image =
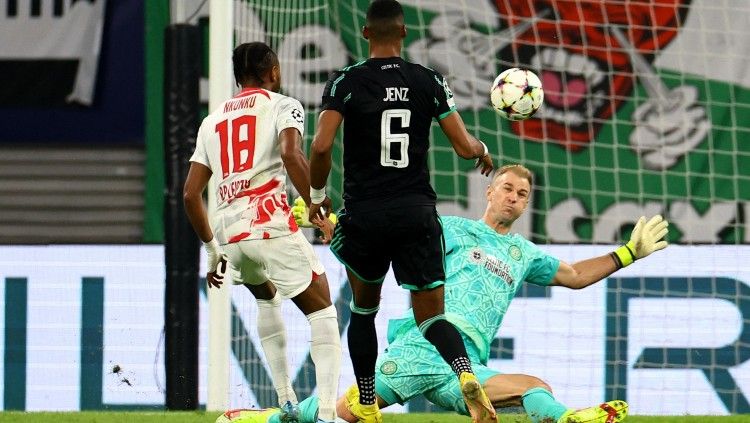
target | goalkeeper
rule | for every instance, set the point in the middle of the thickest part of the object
(485, 267)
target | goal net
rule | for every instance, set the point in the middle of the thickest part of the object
(647, 111)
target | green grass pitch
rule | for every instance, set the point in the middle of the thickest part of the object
(202, 417)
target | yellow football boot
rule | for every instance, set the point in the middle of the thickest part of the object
(245, 415)
(365, 413)
(479, 405)
(608, 412)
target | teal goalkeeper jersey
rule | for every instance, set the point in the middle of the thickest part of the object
(483, 270)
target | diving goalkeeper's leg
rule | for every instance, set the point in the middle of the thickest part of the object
(541, 406)
(428, 312)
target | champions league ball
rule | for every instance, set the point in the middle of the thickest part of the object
(516, 94)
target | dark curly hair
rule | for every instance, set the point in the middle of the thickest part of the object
(251, 61)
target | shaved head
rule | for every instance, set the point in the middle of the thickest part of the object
(385, 20)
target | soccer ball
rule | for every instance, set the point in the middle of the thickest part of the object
(516, 94)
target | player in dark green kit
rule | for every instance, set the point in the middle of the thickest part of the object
(387, 106)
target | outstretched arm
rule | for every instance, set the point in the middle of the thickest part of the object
(465, 145)
(584, 273)
(320, 158)
(647, 237)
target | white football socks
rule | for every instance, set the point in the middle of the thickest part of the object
(326, 354)
(272, 336)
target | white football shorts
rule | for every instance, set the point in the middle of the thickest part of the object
(287, 261)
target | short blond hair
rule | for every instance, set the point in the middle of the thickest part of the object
(517, 169)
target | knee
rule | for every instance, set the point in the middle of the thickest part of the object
(356, 308)
(535, 382)
(273, 302)
(319, 284)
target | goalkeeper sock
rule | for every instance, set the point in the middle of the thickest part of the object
(326, 354)
(446, 339)
(308, 411)
(273, 339)
(363, 350)
(541, 406)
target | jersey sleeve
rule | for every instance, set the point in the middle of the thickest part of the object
(337, 92)
(453, 229)
(542, 268)
(200, 155)
(445, 105)
(290, 114)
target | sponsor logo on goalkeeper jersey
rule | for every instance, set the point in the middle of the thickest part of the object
(492, 263)
(476, 255)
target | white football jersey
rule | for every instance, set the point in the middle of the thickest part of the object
(239, 142)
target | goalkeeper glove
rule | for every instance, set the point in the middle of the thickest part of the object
(647, 237)
(216, 263)
(301, 216)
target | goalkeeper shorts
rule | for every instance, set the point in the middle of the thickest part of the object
(411, 366)
(409, 238)
(289, 262)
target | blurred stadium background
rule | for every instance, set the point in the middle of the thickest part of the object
(647, 111)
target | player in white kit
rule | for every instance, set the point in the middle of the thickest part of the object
(250, 143)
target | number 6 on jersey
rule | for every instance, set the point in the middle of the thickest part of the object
(388, 139)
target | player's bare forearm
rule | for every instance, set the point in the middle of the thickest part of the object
(192, 197)
(320, 168)
(464, 144)
(196, 213)
(320, 150)
(585, 272)
(299, 173)
(295, 162)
